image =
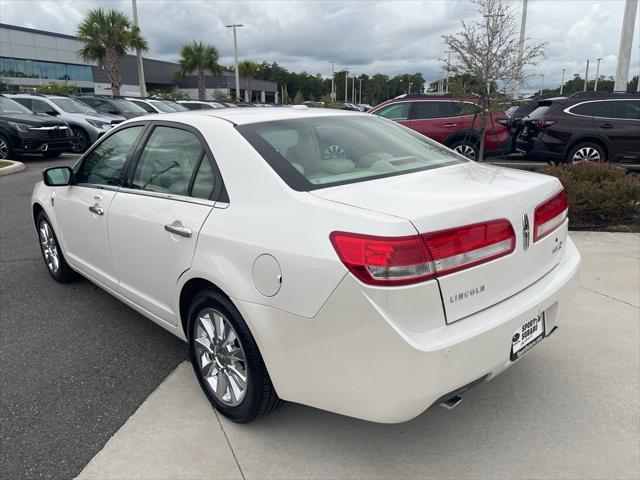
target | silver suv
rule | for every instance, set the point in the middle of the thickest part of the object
(86, 124)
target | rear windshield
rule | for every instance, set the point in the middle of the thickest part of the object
(312, 153)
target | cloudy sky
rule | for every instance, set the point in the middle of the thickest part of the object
(367, 36)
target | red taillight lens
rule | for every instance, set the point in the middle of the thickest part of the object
(550, 215)
(465, 247)
(383, 260)
(405, 260)
(543, 123)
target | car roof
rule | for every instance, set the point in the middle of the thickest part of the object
(245, 116)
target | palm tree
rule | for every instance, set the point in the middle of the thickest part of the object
(248, 70)
(107, 36)
(198, 57)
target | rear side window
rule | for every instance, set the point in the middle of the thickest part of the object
(168, 162)
(311, 153)
(426, 110)
(104, 164)
(205, 181)
(620, 109)
(588, 109)
(397, 111)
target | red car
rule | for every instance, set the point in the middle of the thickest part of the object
(451, 121)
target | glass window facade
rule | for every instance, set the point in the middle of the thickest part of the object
(19, 68)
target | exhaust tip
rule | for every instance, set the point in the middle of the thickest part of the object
(451, 403)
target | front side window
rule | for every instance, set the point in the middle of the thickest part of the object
(8, 105)
(161, 106)
(318, 152)
(397, 111)
(168, 161)
(144, 105)
(38, 106)
(70, 105)
(103, 165)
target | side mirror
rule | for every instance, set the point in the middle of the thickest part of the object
(57, 176)
(53, 113)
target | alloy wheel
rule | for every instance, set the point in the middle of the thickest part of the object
(221, 358)
(586, 154)
(4, 149)
(466, 150)
(78, 142)
(49, 247)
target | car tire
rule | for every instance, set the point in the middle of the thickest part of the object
(220, 365)
(52, 154)
(5, 148)
(51, 252)
(466, 147)
(79, 140)
(586, 152)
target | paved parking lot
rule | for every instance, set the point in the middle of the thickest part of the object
(90, 387)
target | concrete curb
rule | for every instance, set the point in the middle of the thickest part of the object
(15, 167)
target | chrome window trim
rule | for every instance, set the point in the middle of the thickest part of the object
(569, 112)
(168, 196)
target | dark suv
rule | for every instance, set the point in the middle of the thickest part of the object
(113, 105)
(583, 127)
(22, 131)
(451, 121)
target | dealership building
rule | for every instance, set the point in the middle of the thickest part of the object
(31, 58)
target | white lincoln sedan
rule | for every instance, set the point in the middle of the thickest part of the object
(330, 258)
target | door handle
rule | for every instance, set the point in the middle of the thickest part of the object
(179, 230)
(97, 209)
(450, 125)
(606, 125)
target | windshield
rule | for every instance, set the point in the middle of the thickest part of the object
(176, 106)
(313, 153)
(126, 106)
(161, 106)
(11, 106)
(70, 105)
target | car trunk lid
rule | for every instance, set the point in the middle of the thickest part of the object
(466, 194)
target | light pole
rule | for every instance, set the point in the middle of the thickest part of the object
(624, 50)
(360, 90)
(448, 52)
(353, 89)
(562, 82)
(143, 85)
(235, 51)
(409, 92)
(346, 83)
(595, 85)
(586, 76)
(333, 87)
(523, 24)
(541, 83)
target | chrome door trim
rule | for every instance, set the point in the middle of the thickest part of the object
(168, 196)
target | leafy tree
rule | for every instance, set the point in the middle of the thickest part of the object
(488, 50)
(248, 70)
(107, 36)
(632, 85)
(54, 88)
(198, 57)
(298, 99)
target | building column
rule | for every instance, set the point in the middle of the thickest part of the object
(276, 98)
(262, 96)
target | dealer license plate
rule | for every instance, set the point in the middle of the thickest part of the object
(526, 336)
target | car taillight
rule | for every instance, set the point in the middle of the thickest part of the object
(542, 123)
(550, 215)
(384, 260)
(464, 247)
(503, 121)
(405, 260)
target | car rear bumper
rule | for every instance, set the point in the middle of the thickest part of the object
(536, 149)
(353, 358)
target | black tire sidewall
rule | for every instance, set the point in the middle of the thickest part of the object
(595, 146)
(248, 409)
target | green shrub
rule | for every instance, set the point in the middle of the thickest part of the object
(599, 194)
